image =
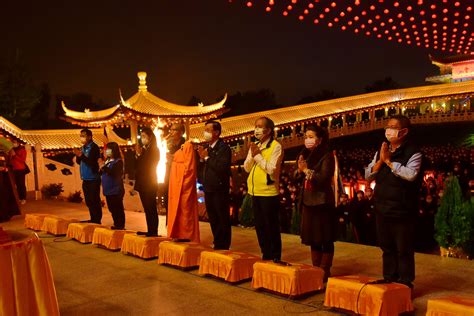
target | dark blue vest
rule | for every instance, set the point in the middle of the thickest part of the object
(112, 185)
(394, 196)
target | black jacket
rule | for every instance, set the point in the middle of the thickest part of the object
(321, 191)
(214, 174)
(145, 172)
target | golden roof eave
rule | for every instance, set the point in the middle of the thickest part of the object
(146, 103)
(244, 124)
(89, 115)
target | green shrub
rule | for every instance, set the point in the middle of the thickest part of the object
(52, 190)
(75, 197)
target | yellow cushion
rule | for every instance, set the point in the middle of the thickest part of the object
(108, 238)
(56, 225)
(82, 232)
(181, 254)
(231, 266)
(450, 305)
(141, 246)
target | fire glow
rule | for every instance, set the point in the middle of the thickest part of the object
(163, 148)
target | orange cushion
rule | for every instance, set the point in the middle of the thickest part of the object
(231, 266)
(141, 246)
(35, 221)
(351, 293)
(293, 280)
(82, 232)
(181, 254)
(108, 238)
(56, 225)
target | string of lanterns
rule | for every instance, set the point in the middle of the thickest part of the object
(444, 26)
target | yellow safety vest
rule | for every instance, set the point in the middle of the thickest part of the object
(257, 180)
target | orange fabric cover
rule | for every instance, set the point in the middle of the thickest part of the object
(35, 221)
(26, 281)
(141, 246)
(450, 306)
(183, 216)
(180, 254)
(231, 266)
(56, 225)
(374, 299)
(293, 280)
(82, 232)
(110, 239)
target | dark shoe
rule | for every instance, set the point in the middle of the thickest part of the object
(86, 221)
(117, 228)
(316, 257)
(151, 234)
(181, 240)
(326, 264)
(142, 233)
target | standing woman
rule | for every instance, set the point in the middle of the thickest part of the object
(17, 161)
(146, 182)
(112, 184)
(318, 224)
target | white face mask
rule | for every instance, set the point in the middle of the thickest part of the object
(391, 134)
(83, 140)
(108, 153)
(258, 133)
(310, 143)
(207, 136)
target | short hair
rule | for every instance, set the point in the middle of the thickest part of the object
(402, 119)
(87, 131)
(115, 149)
(180, 127)
(216, 126)
(268, 122)
(149, 132)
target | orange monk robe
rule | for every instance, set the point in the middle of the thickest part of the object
(183, 216)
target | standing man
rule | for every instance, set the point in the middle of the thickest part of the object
(396, 169)
(263, 164)
(214, 175)
(87, 157)
(183, 215)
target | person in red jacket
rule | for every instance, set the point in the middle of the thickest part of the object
(17, 162)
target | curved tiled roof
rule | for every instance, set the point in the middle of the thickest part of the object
(244, 124)
(58, 138)
(146, 104)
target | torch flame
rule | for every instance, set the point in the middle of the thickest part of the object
(163, 148)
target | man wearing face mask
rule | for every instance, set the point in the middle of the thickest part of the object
(87, 157)
(396, 170)
(214, 174)
(263, 163)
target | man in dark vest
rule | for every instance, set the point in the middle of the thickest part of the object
(396, 170)
(214, 174)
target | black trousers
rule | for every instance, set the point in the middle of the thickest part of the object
(20, 183)
(148, 198)
(218, 211)
(115, 205)
(91, 189)
(266, 210)
(396, 240)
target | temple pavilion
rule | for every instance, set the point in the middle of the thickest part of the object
(144, 108)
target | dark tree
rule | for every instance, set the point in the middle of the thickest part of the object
(41, 111)
(383, 84)
(18, 95)
(322, 95)
(250, 102)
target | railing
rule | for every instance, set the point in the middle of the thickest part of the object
(363, 127)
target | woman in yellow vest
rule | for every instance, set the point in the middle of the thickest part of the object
(263, 164)
(318, 224)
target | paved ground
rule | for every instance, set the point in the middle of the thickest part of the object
(93, 281)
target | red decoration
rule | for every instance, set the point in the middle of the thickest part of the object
(440, 22)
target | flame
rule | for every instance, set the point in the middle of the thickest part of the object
(163, 148)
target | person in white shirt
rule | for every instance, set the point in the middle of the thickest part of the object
(263, 163)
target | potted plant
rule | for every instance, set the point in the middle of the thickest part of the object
(454, 222)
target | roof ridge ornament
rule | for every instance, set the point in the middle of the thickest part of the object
(142, 81)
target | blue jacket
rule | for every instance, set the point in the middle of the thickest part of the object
(112, 178)
(89, 166)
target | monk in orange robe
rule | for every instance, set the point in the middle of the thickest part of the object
(183, 216)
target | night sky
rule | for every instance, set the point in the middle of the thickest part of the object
(189, 47)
